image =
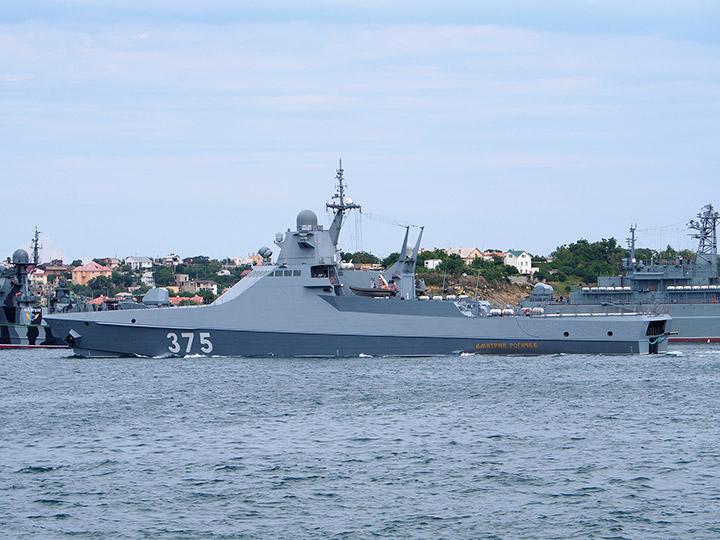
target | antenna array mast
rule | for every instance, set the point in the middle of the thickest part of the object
(36, 247)
(341, 206)
(706, 230)
(631, 243)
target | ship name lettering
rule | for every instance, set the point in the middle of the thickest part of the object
(504, 345)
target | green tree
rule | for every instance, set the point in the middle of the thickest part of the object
(100, 283)
(207, 296)
(360, 257)
(76, 263)
(164, 276)
(120, 280)
(80, 290)
(391, 259)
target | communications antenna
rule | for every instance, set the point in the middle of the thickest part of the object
(706, 229)
(36, 247)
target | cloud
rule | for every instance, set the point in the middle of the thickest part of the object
(506, 118)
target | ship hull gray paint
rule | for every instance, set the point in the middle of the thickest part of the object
(347, 333)
(692, 322)
(27, 335)
(154, 342)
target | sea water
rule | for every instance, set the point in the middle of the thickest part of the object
(456, 447)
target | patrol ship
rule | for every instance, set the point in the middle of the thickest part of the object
(21, 317)
(688, 289)
(303, 304)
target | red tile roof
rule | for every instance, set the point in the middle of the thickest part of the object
(92, 266)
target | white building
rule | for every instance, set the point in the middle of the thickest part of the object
(432, 264)
(136, 263)
(171, 260)
(520, 260)
(148, 279)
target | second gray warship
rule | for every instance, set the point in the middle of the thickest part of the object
(21, 317)
(687, 289)
(305, 304)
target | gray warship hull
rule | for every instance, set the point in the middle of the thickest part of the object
(327, 325)
(17, 336)
(21, 317)
(691, 322)
(687, 289)
(303, 304)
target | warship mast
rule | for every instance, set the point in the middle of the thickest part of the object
(36, 248)
(340, 207)
(706, 235)
(631, 245)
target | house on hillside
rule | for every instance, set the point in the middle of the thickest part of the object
(56, 268)
(148, 279)
(177, 300)
(170, 260)
(252, 259)
(520, 260)
(38, 277)
(82, 274)
(199, 285)
(138, 263)
(490, 254)
(467, 254)
(110, 262)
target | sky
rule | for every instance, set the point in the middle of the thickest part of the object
(203, 128)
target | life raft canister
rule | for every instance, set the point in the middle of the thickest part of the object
(651, 288)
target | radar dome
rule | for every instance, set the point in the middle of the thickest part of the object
(543, 289)
(21, 257)
(306, 221)
(265, 252)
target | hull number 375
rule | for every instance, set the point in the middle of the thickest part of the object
(187, 339)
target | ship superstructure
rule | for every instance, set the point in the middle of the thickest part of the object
(21, 317)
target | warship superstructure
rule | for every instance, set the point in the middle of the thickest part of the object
(303, 303)
(688, 289)
(21, 317)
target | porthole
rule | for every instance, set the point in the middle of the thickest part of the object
(133, 321)
(566, 334)
(87, 323)
(610, 333)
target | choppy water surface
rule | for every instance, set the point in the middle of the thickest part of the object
(446, 447)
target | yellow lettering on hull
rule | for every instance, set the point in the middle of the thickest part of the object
(505, 345)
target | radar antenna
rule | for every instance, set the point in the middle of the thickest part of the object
(36, 247)
(343, 204)
(340, 205)
(706, 229)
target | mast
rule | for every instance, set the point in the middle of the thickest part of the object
(341, 206)
(631, 243)
(36, 247)
(706, 235)
(706, 230)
